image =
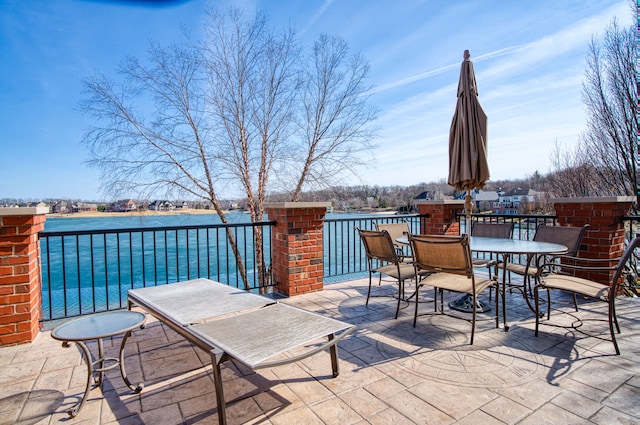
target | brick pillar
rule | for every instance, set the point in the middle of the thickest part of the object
(296, 246)
(441, 218)
(605, 236)
(20, 285)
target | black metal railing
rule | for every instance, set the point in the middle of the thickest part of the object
(525, 225)
(344, 255)
(89, 271)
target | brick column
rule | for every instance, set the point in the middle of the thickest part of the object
(296, 246)
(605, 236)
(20, 285)
(441, 218)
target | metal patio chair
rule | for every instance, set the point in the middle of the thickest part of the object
(490, 230)
(571, 237)
(383, 258)
(448, 260)
(397, 230)
(571, 278)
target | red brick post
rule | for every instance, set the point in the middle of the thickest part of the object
(20, 285)
(605, 236)
(296, 246)
(441, 218)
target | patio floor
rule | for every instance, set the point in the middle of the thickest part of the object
(391, 372)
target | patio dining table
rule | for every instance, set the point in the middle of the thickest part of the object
(508, 248)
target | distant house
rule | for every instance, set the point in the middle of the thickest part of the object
(485, 200)
(512, 201)
(60, 207)
(162, 205)
(122, 206)
(84, 207)
(424, 196)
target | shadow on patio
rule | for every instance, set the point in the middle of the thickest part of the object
(391, 372)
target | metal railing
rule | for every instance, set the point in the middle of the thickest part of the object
(344, 255)
(89, 271)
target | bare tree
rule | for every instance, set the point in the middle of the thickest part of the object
(333, 124)
(572, 175)
(610, 94)
(199, 117)
(253, 78)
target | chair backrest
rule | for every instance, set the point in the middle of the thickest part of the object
(492, 230)
(622, 262)
(395, 230)
(571, 237)
(378, 245)
(450, 254)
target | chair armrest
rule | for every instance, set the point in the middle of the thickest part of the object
(576, 264)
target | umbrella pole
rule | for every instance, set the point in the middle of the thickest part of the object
(468, 205)
(465, 303)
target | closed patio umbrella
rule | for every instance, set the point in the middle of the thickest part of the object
(468, 167)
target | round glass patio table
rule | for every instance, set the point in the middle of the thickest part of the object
(97, 327)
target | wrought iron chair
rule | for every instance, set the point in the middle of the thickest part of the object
(571, 278)
(383, 258)
(397, 230)
(490, 230)
(571, 237)
(448, 259)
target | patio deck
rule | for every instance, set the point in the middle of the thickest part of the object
(391, 373)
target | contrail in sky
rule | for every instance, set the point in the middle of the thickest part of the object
(408, 80)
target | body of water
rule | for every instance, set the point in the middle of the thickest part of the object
(62, 224)
(92, 272)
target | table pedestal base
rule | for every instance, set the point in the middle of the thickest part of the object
(465, 304)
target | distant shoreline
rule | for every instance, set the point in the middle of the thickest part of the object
(137, 213)
(181, 211)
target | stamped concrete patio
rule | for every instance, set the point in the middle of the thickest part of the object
(391, 373)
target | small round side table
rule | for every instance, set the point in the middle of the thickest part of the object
(99, 326)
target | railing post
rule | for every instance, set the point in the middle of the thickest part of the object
(441, 218)
(20, 284)
(606, 234)
(296, 246)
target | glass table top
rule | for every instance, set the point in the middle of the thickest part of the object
(508, 246)
(99, 325)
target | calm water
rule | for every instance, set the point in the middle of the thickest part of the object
(87, 273)
(111, 222)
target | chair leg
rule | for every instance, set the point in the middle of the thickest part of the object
(497, 313)
(548, 304)
(575, 302)
(612, 320)
(415, 313)
(400, 295)
(614, 315)
(369, 290)
(473, 319)
(537, 304)
(503, 294)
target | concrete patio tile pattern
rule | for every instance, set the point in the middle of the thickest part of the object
(390, 372)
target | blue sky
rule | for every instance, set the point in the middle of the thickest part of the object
(529, 59)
